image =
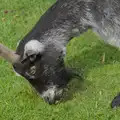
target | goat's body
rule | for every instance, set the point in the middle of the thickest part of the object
(64, 20)
(102, 16)
(56, 25)
(105, 20)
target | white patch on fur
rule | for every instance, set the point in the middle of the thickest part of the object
(64, 51)
(17, 74)
(18, 43)
(75, 32)
(33, 47)
(51, 93)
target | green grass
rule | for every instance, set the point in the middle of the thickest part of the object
(88, 98)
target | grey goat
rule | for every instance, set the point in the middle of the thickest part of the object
(39, 56)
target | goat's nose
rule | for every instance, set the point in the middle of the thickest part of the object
(52, 95)
(50, 100)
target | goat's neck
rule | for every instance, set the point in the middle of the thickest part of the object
(58, 36)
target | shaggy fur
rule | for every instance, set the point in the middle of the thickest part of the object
(62, 21)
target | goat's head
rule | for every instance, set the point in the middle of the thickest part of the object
(42, 66)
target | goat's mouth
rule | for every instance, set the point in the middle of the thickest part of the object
(52, 95)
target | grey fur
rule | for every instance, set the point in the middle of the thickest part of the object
(62, 21)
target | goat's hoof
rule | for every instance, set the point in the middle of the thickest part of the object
(116, 101)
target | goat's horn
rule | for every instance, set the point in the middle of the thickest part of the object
(9, 54)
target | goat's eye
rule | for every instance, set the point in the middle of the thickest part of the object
(32, 58)
(33, 70)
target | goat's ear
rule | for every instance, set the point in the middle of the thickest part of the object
(9, 54)
(32, 49)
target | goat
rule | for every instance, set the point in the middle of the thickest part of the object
(39, 56)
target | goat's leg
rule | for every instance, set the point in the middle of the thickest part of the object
(116, 101)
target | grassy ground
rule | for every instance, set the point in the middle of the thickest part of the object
(88, 98)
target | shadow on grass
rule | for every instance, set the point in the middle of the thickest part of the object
(91, 57)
